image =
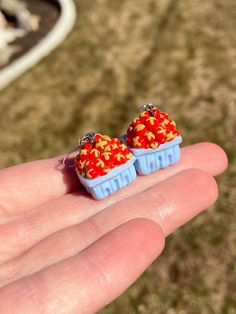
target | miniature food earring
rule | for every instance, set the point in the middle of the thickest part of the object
(153, 139)
(103, 164)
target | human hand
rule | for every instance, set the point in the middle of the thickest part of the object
(63, 252)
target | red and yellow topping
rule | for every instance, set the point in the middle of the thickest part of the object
(99, 158)
(151, 129)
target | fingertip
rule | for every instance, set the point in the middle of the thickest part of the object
(204, 184)
(215, 155)
(212, 187)
(149, 232)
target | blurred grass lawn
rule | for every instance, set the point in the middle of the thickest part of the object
(178, 53)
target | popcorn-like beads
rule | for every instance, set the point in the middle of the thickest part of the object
(150, 137)
(140, 129)
(88, 146)
(120, 159)
(101, 157)
(80, 164)
(144, 116)
(101, 145)
(152, 123)
(150, 130)
(83, 154)
(94, 153)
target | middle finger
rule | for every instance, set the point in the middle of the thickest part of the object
(170, 203)
(31, 227)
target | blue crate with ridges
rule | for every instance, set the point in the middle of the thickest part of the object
(116, 179)
(150, 160)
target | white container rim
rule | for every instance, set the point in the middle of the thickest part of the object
(55, 37)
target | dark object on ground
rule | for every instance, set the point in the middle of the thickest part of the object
(48, 11)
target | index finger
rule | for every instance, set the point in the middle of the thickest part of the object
(30, 185)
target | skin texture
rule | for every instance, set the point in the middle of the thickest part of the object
(63, 252)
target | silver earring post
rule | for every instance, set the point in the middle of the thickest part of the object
(87, 138)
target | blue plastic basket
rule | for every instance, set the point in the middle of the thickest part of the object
(149, 160)
(116, 179)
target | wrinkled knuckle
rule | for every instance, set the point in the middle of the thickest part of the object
(24, 231)
(103, 280)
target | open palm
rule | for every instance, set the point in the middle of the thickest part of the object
(63, 252)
